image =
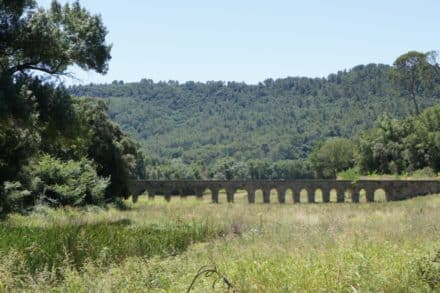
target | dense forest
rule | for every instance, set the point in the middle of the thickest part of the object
(232, 130)
(408, 146)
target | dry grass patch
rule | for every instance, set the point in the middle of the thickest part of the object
(263, 248)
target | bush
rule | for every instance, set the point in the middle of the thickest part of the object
(332, 156)
(425, 172)
(352, 174)
(67, 183)
(13, 197)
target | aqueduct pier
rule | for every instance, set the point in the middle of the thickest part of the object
(394, 189)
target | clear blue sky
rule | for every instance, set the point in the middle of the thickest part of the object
(254, 40)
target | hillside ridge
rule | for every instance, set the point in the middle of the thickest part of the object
(205, 124)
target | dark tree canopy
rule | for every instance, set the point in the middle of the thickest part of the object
(414, 74)
(331, 156)
(51, 40)
(401, 146)
(54, 148)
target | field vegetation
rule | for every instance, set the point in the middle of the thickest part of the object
(160, 246)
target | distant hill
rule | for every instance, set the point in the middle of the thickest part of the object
(274, 120)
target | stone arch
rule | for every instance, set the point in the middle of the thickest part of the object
(240, 194)
(333, 194)
(289, 195)
(222, 194)
(380, 195)
(362, 195)
(207, 191)
(304, 195)
(258, 195)
(135, 197)
(199, 193)
(276, 195)
(149, 193)
(318, 194)
(161, 193)
(348, 194)
(168, 194)
(211, 193)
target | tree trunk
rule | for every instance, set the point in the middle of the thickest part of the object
(413, 95)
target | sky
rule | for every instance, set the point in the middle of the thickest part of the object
(250, 41)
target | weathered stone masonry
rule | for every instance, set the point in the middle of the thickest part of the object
(394, 189)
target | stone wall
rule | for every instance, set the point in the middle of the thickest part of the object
(394, 189)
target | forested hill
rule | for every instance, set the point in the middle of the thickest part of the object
(274, 120)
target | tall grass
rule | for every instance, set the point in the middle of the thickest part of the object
(159, 246)
(51, 241)
(50, 247)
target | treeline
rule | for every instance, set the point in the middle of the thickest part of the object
(402, 146)
(55, 149)
(409, 146)
(194, 130)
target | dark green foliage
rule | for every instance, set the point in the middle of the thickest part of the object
(50, 40)
(402, 146)
(332, 156)
(40, 119)
(53, 147)
(116, 155)
(13, 197)
(72, 183)
(19, 134)
(258, 125)
(228, 168)
(103, 243)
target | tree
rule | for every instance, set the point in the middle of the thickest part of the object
(380, 149)
(334, 155)
(229, 168)
(115, 154)
(67, 183)
(52, 145)
(49, 41)
(414, 73)
(401, 146)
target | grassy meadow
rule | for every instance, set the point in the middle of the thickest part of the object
(155, 245)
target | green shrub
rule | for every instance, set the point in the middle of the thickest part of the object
(332, 156)
(352, 174)
(13, 197)
(425, 172)
(67, 183)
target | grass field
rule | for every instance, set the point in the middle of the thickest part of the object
(160, 246)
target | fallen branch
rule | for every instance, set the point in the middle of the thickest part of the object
(208, 271)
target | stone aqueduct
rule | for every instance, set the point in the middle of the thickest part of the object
(394, 189)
